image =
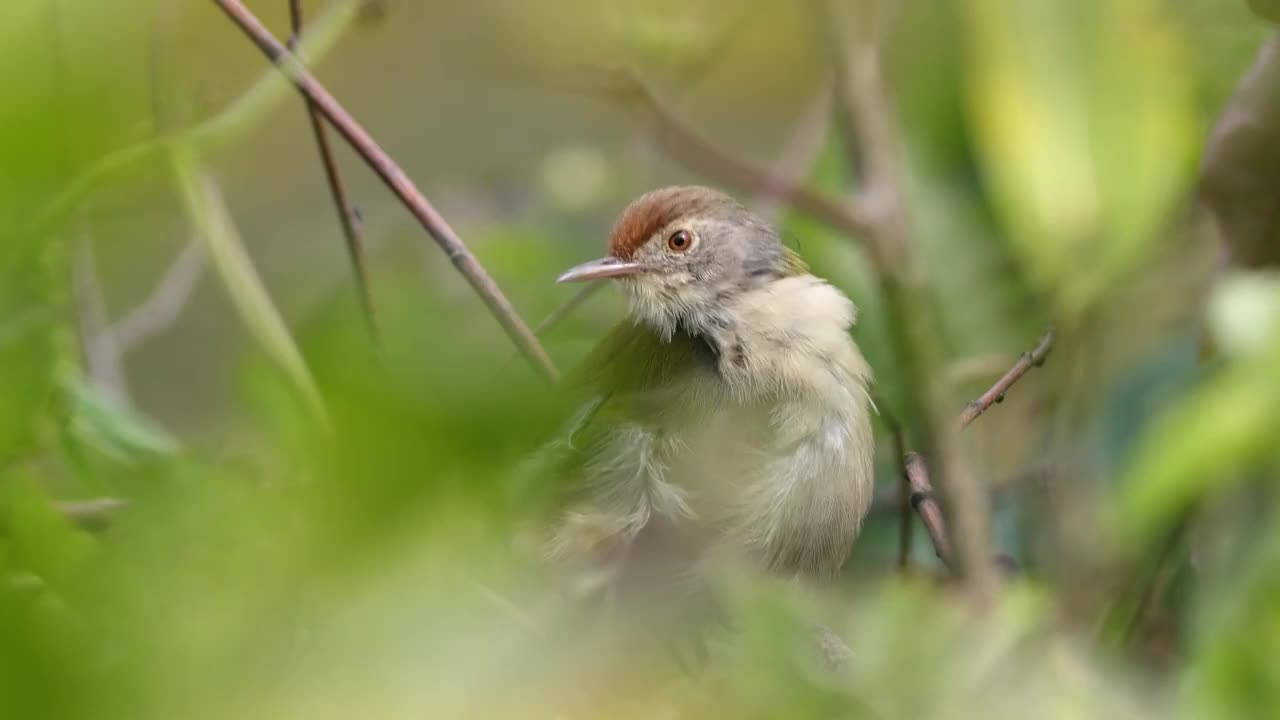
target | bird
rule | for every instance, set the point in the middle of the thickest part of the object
(727, 417)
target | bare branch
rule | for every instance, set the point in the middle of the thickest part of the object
(926, 505)
(567, 307)
(801, 149)
(995, 393)
(874, 138)
(623, 88)
(906, 529)
(347, 216)
(229, 124)
(916, 473)
(399, 183)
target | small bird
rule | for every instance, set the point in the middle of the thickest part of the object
(729, 414)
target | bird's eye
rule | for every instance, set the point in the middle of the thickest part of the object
(680, 241)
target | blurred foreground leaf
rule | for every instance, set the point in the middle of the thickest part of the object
(1204, 443)
(40, 539)
(1084, 124)
(1233, 671)
(209, 215)
(113, 429)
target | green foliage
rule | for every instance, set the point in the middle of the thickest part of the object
(29, 346)
(1084, 129)
(1210, 439)
(1234, 672)
(113, 430)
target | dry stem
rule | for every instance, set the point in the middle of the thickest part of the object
(399, 183)
(347, 216)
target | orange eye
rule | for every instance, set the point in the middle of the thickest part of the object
(680, 241)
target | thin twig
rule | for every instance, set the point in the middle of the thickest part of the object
(906, 529)
(995, 393)
(347, 217)
(874, 137)
(800, 150)
(917, 474)
(206, 207)
(567, 307)
(622, 87)
(399, 183)
(926, 505)
(507, 607)
(229, 124)
(965, 371)
(1152, 588)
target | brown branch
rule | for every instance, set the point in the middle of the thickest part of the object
(922, 499)
(567, 307)
(799, 151)
(347, 216)
(995, 393)
(399, 183)
(916, 473)
(874, 140)
(906, 529)
(683, 143)
(623, 88)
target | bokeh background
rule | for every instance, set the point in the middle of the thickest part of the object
(222, 496)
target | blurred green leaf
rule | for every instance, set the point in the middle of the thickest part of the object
(1084, 125)
(682, 37)
(1269, 9)
(1201, 445)
(209, 214)
(28, 350)
(1233, 670)
(112, 429)
(270, 90)
(41, 541)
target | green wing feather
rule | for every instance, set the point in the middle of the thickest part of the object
(618, 382)
(793, 264)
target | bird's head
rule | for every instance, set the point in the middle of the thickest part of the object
(683, 253)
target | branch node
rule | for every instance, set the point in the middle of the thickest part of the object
(919, 496)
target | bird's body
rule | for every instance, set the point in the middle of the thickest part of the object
(728, 414)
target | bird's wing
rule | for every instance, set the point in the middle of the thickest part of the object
(625, 381)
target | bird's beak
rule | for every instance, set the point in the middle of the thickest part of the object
(606, 267)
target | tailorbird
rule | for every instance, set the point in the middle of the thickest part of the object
(729, 415)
